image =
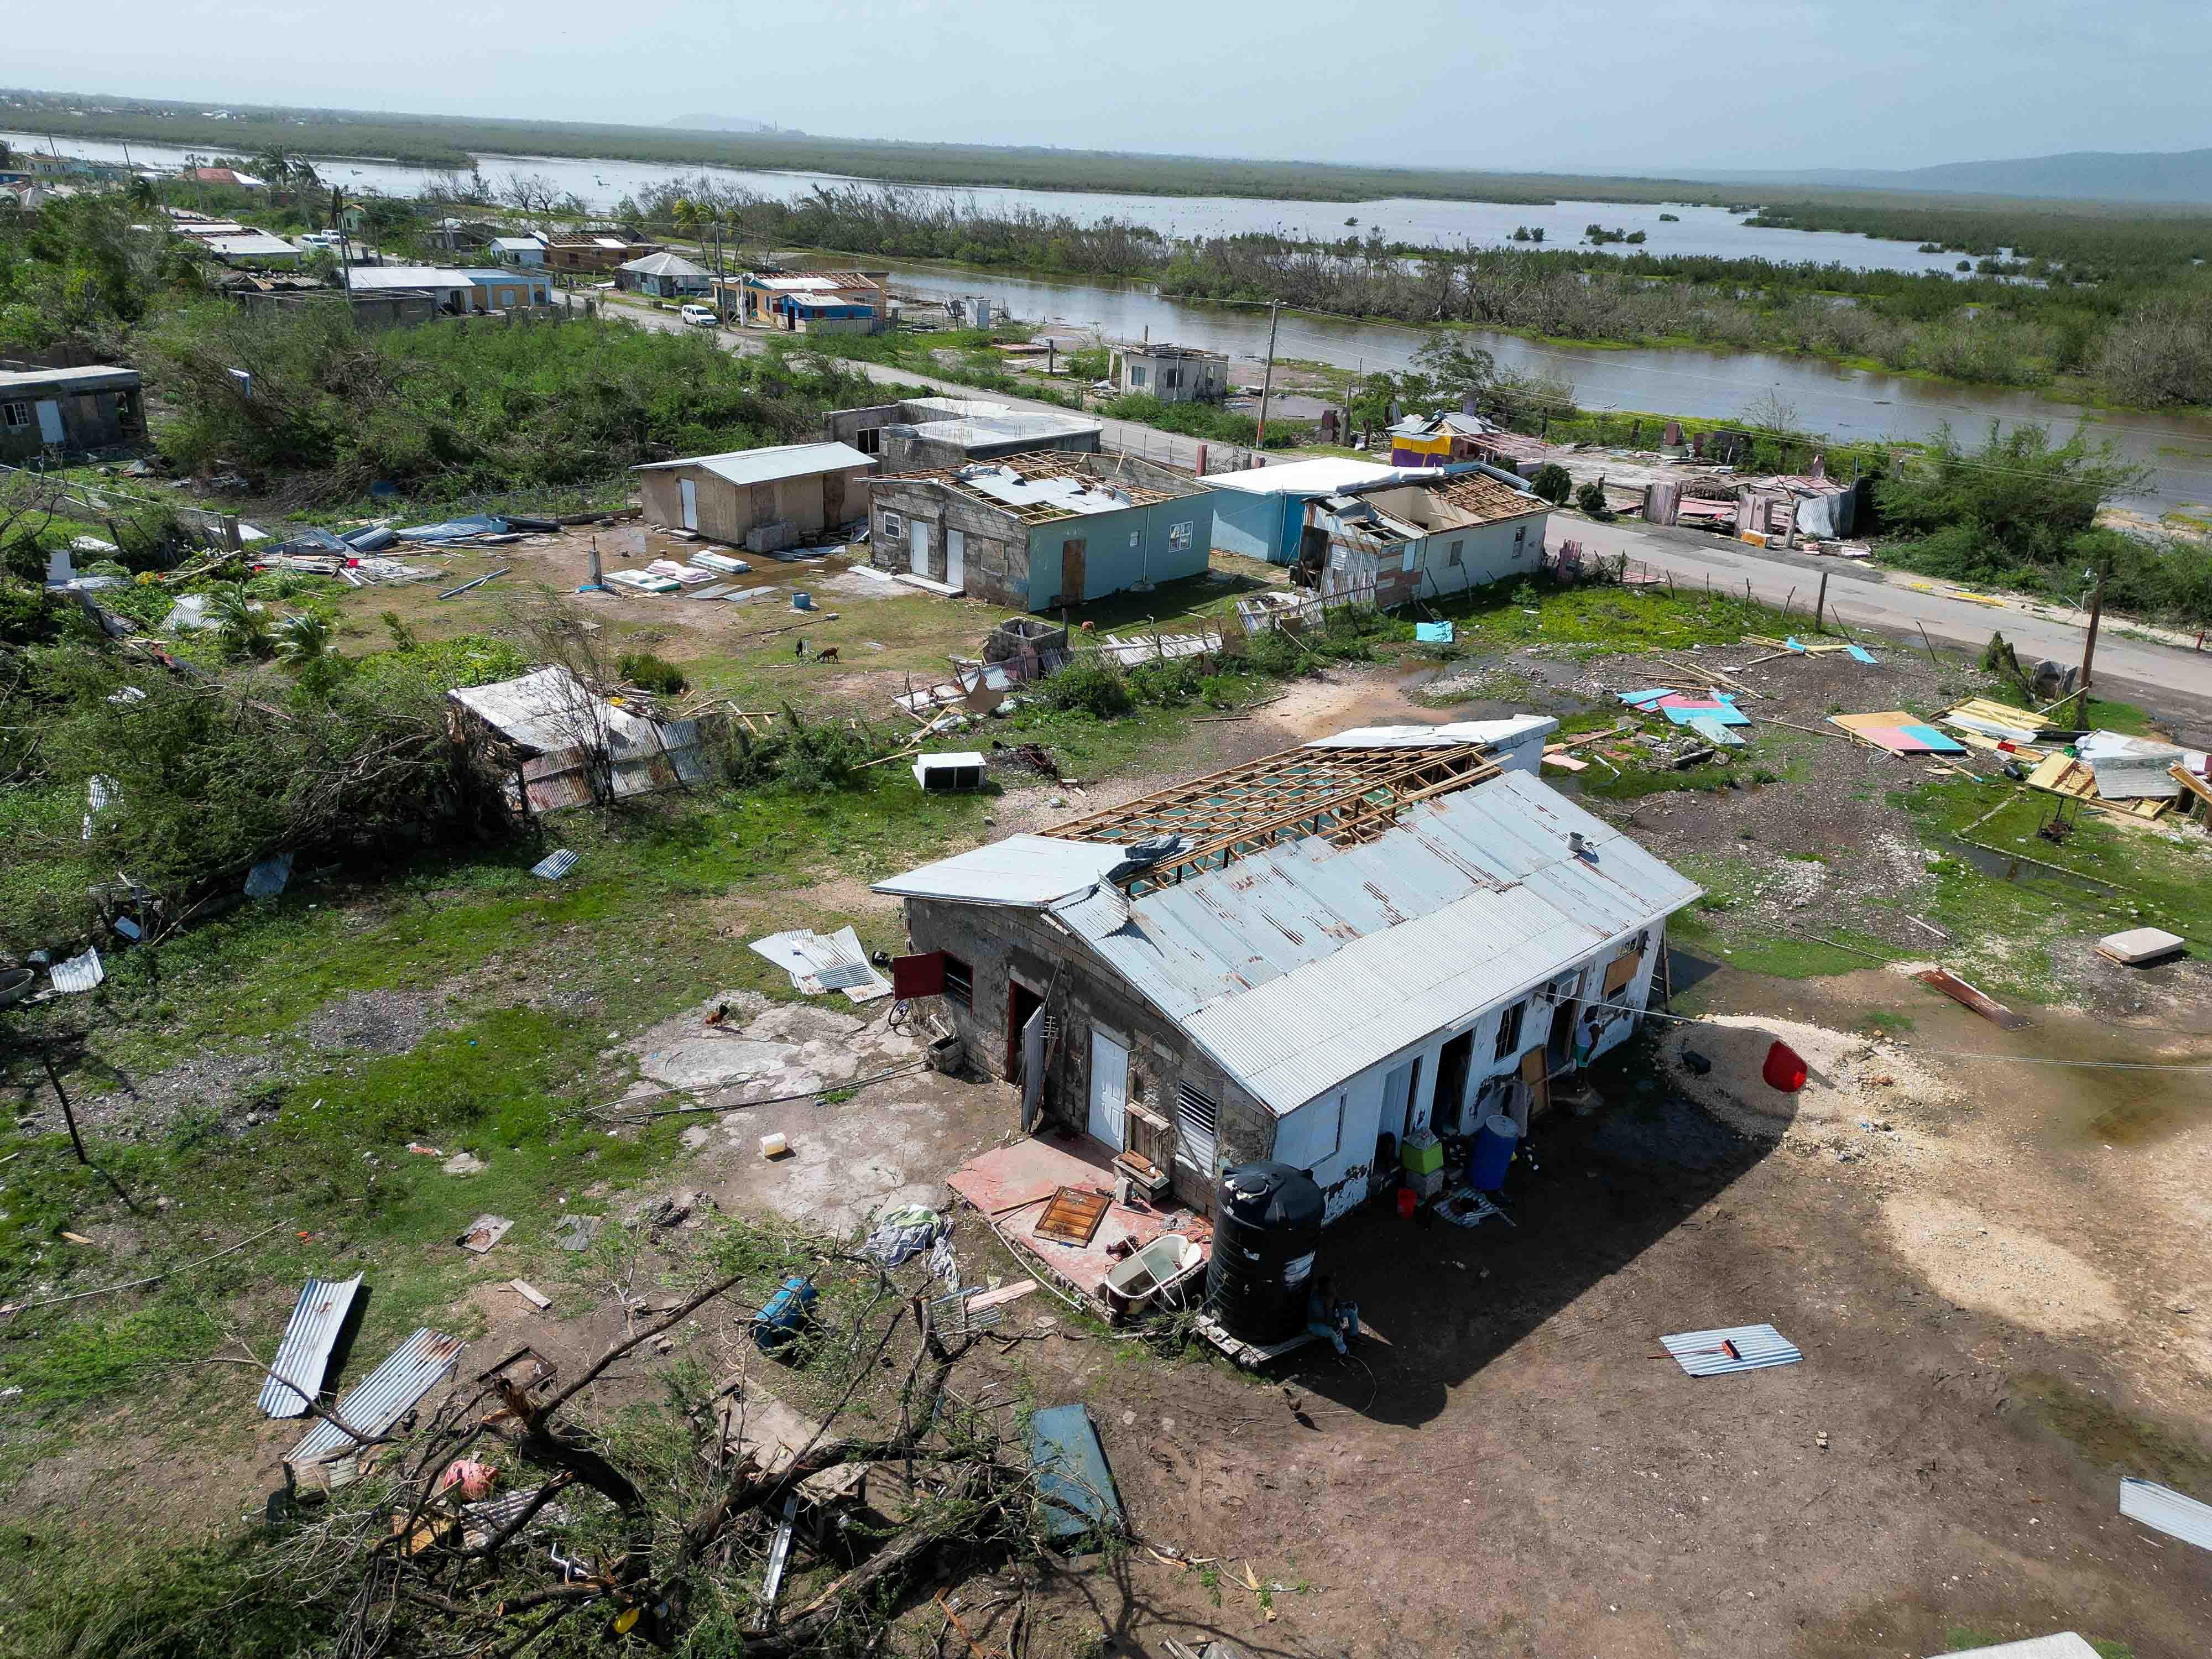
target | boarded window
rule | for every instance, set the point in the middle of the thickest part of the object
(1621, 971)
(1198, 1121)
(1508, 1030)
(959, 982)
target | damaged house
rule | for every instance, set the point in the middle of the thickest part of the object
(759, 499)
(917, 434)
(1305, 957)
(558, 743)
(1041, 528)
(1387, 543)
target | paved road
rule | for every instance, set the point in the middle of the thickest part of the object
(2173, 682)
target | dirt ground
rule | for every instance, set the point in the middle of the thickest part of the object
(1510, 1465)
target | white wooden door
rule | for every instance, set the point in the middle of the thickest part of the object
(917, 547)
(1109, 1089)
(689, 489)
(50, 420)
(956, 558)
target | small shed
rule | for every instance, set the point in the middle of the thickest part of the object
(562, 744)
(759, 499)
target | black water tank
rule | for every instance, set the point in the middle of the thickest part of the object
(1267, 1221)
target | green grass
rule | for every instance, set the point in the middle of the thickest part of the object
(2011, 924)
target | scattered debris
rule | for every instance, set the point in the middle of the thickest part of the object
(1072, 1482)
(530, 1293)
(818, 965)
(1966, 996)
(2139, 947)
(266, 879)
(1732, 1348)
(1898, 731)
(937, 773)
(1072, 1217)
(382, 1399)
(1433, 633)
(2163, 1510)
(903, 1234)
(295, 1375)
(463, 1163)
(492, 575)
(484, 1232)
(576, 1232)
(554, 866)
(79, 973)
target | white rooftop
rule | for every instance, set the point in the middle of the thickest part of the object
(1027, 870)
(664, 264)
(1324, 476)
(1003, 483)
(386, 276)
(752, 466)
(252, 245)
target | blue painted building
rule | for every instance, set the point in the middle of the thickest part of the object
(1041, 530)
(1260, 514)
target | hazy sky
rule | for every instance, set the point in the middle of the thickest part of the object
(1616, 85)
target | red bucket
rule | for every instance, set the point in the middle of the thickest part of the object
(1409, 1199)
(1784, 1069)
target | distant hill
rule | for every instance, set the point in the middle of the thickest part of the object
(2097, 175)
(718, 123)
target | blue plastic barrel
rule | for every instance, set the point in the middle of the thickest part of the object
(1493, 1150)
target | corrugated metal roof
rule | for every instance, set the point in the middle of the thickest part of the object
(2130, 769)
(363, 278)
(752, 466)
(79, 973)
(1700, 1352)
(1025, 870)
(2166, 1511)
(2064, 1645)
(665, 264)
(305, 1351)
(554, 866)
(1489, 733)
(1304, 964)
(386, 1395)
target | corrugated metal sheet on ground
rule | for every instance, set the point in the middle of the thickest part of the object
(79, 973)
(554, 866)
(1490, 734)
(1072, 1482)
(1700, 1353)
(1301, 965)
(2166, 1511)
(2130, 769)
(819, 963)
(1022, 870)
(1713, 731)
(2063, 1645)
(269, 877)
(305, 1351)
(386, 1395)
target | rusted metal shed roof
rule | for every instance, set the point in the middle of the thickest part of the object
(304, 1353)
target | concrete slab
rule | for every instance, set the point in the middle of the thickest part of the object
(1012, 1185)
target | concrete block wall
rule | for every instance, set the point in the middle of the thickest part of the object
(996, 555)
(1002, 945)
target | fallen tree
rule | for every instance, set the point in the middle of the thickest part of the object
(666, 1525)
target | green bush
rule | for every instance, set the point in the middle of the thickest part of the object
(650, 673)
(1554, 482)
(1591, 499)
(1167, 684)
(1093, 686)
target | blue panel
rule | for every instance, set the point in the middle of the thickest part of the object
(1071, 1478)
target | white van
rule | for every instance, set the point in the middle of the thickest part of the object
(700, 316)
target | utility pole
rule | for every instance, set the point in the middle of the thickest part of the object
(2089, 651)
(1267, 382)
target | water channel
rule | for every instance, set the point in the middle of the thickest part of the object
(1848, 404)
